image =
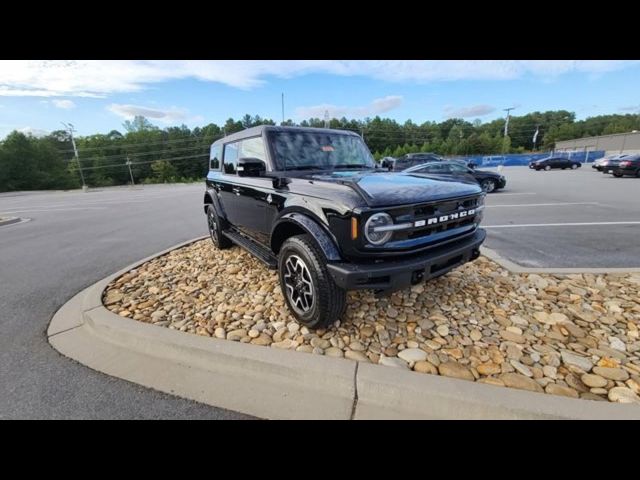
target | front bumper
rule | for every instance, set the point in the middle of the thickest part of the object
(502, 182)
(398, 274)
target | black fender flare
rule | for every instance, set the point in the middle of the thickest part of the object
(326, 243)
(209, 193)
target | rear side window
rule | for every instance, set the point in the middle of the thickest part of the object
(252, 147)
(214, 159)
(231, 157)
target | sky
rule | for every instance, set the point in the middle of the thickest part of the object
(98, 96)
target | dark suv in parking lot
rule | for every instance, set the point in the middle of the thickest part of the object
(554, 162)
(312, 204)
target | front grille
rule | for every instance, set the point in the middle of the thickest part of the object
(427, 211)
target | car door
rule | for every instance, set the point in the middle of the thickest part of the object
(226, 187)
(254, 202)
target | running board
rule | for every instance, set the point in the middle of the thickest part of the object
(257, 250)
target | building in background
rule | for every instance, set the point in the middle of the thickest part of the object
(611, 144)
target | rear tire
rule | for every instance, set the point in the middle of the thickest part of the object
(215, 231)
(617, 175)
(307, 286)
(574, 166)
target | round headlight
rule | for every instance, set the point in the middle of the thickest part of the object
(375, 221)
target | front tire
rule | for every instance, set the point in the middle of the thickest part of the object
(215, 230)
(307, 286)
(617, 175)
(547, 168)
(488, 185)
(574, 166)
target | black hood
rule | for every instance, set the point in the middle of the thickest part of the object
(380, 189)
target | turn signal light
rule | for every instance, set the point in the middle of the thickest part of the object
(354, 228)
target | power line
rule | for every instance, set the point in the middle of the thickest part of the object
(122, 155)
(97, 167)
(159, 142)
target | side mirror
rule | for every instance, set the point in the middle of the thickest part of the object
(251, 167)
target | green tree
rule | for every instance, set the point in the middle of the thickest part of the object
(138, 124)
(164, 171)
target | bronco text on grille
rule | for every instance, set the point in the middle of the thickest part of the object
(313, 204)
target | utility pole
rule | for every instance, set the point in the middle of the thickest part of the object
(282, 109)
(130, 174)
(70, 128)
(506, 125)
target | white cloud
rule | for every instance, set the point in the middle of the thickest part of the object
(65, 104)
(98, 78)
(470, 111)
(170, 115)
(35, 132)
(377, 106)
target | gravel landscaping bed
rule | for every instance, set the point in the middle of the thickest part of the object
(573, 335)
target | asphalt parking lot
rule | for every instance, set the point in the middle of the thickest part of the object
(73, 240)
(565, 218)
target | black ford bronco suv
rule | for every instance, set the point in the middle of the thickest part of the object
(311, 203)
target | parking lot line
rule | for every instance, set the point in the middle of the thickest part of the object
(559, 224)
(543, 204)
(500, 194)
(52, 209)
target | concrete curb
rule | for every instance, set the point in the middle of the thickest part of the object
(281, 384)
(10, 221)
(515, 268)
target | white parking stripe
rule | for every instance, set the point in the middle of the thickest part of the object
(543, 204)
(500, 194)
(53, 209)
(559, 224)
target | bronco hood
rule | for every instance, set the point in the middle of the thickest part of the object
(380, 189)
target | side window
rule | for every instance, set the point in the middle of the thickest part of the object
(214, 159)
(231, 157)
(457, 168)
(440, 168)
(252, 147)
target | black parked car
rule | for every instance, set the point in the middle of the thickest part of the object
(600, 162)
(554, 162)
(312, 204)
(629, 165)
(607, 166)
(409, 160)
(412, 159)
(489, 181)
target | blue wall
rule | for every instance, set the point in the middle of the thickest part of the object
(512, 159)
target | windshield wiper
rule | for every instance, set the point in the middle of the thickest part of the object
(356, 166)
(305, 167)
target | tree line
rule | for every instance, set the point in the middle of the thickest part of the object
(180, 154)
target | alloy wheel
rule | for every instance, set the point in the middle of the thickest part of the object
(299, 284)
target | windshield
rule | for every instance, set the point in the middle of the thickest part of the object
(300, 150)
